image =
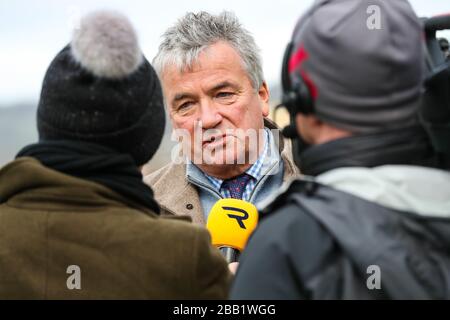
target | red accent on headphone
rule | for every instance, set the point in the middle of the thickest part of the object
(296, 61)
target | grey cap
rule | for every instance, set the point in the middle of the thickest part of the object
(367, 73)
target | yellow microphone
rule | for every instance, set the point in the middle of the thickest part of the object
(231, 222)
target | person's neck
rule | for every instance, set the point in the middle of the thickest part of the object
(405, 146)
(224, 172)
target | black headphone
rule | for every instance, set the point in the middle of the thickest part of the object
(296, 96)
(296, 99)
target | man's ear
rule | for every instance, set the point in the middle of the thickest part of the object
(308, 127)
(264, 95)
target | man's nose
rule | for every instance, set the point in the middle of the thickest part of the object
(209, 115)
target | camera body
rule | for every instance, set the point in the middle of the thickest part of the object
(435, 109)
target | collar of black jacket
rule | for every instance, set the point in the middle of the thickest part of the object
(408, 146)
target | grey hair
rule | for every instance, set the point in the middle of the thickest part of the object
(183, 43)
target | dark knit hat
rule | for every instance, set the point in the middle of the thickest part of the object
(101, 89)
(365, 75)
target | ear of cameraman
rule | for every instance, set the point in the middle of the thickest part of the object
(370, 219)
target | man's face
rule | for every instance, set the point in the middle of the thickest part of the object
(218, 93)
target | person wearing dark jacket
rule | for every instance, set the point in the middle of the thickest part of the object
(370, 219)
(76, 219)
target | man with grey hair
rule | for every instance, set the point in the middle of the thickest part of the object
(215, 94)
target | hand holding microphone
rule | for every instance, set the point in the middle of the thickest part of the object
(231, 222)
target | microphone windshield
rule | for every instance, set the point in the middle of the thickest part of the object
(231, 222)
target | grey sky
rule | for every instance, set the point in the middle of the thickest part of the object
(33, 31)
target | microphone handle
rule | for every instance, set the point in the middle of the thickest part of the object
(230, 254)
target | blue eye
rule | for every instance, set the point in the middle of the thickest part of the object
(184, 106)
(224, 94)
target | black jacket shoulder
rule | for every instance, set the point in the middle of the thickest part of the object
(290, 246)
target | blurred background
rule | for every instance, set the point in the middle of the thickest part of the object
(32, 32)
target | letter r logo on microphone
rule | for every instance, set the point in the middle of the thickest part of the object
(240, 219)
(230, 223)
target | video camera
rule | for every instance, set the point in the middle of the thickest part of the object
(435, 109)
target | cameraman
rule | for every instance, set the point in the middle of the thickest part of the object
(371, 218)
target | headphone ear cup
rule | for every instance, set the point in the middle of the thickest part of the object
(298, 99)
(290, 101)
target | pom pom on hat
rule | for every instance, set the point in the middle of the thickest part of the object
(106, 44)
(101, 89)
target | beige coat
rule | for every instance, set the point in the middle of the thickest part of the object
(177, 196)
